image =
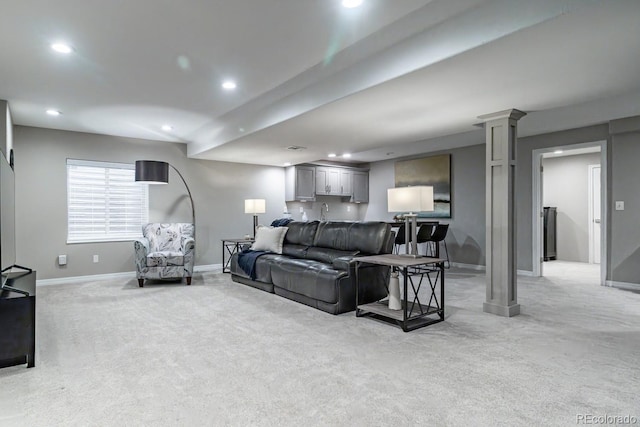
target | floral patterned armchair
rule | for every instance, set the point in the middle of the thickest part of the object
(165, 251)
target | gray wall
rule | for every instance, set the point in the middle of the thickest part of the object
(466, 236)
(218, 189)
(566, 186)
(624, 232)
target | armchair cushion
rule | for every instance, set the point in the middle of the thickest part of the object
(165, 259)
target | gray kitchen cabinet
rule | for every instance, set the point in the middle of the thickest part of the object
(346, 180)
(332, 181)
(300, 183)
(360, 193)
(327, 181)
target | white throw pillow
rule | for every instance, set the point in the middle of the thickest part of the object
(269, 239)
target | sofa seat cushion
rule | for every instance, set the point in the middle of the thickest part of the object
(263, 267)
(310, 278)
(165, 259)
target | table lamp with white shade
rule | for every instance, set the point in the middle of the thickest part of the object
(255, 207)
(412, 200)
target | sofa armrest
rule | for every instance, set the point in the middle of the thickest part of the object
(188, 244)
(141, 247)
(188, 249)
(345, 263)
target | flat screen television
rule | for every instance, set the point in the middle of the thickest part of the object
(8, 225)
(7, 216)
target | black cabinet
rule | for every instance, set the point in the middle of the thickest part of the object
(549, 217)
(18, 320)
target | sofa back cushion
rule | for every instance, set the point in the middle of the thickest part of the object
(301, 233)
(328, 255)
(363, 237)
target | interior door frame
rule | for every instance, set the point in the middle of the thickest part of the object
(590, 213)
(536, 190)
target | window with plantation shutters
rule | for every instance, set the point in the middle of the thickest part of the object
(104, 203)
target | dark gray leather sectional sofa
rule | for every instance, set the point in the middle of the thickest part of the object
(317, 265)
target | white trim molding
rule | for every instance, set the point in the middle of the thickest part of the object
(623, 285)
(537, 205)
(209, 268)
(476, 267)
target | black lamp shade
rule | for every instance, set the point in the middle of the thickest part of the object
(152, 171)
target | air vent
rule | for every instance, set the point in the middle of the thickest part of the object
(296, 148)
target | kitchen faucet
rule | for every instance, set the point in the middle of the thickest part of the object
(324, 206)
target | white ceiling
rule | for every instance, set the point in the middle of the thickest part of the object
(369, 81)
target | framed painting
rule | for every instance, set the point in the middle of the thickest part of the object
(434, 171)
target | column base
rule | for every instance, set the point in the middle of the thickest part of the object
(501, 310)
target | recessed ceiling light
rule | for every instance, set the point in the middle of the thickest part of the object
(61, 48)
(167, 128)
(287, 164)
(332, 154)
(558, 152)
(53, 112)
(229, 85)
(350, 4)
(346, 155)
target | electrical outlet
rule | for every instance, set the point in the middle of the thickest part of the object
(62, 260)
(619, 205)
(301, 209)
(96, 258)
(348, 208)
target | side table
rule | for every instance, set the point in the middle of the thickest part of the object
(230, 247)
(413, 314)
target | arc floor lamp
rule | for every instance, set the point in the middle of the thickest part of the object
(155, 172)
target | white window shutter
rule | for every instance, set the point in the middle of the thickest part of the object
(104, 203)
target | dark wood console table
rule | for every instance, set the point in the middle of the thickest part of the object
(18, 321)
(413, 314)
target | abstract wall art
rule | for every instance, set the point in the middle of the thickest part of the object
(434, 171)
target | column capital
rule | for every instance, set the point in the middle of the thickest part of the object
(504, 114)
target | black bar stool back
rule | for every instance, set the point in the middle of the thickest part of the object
(438, 236)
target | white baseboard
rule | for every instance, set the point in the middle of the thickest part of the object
(484, 268)
(82, 279)
(623, 285)
(216, 268)
(525, 273)
(123, 275)
(468, 266)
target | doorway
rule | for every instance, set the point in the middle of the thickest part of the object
(574, 183)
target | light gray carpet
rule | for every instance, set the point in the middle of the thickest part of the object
(220, 353)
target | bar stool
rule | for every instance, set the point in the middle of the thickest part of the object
(424, 234)
(400, 239)
(438, 236)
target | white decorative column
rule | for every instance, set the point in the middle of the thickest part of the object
(501, 135)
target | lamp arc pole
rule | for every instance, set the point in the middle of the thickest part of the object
(157, 172)
(193, 207)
